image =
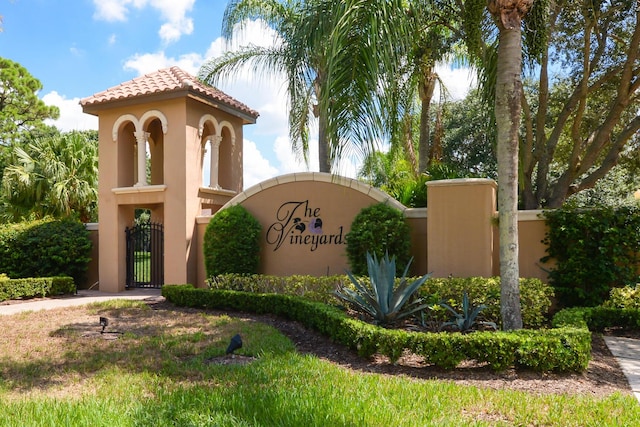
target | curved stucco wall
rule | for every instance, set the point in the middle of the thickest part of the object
(305, 218)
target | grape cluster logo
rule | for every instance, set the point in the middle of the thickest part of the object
(301, 225)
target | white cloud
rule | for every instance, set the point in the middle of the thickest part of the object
(150, 62)
(289, 161)
(256, 33)
(176, 23)
(255, 167)
(457, 81)
(172, 31)
(71, 115)
(110, 10)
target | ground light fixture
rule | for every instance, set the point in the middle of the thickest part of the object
(104, 322)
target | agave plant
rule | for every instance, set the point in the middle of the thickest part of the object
(381, 298)
(465, 320)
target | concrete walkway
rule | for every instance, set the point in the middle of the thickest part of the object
(626, 350)
(82, 297)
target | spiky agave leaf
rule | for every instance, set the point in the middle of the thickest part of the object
(381, 299)
(467, 318)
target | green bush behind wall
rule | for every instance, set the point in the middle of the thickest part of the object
(378, 229)
(231, 242)
(594, 250)
(45, 248)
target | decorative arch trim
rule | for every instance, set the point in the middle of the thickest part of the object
(139, 123)
(157, 115)
(207, 118)
(217, 127)
(232, 131)
(351, 183)
(120, 121)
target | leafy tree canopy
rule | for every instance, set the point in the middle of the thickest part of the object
(20, 108)
(581, 115)
(52, 176)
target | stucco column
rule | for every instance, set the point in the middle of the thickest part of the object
(460, 215)
(215, 161)
(141, 138)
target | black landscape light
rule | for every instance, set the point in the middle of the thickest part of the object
(104, 322)
(236, 343)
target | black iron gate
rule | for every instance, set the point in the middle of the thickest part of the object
(145, 255)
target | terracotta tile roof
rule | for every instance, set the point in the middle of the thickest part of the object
(167, 80)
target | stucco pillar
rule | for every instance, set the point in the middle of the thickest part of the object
(459, 227)
(215, 161)
(141, 138)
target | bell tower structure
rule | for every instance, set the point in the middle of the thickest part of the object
(171, 146)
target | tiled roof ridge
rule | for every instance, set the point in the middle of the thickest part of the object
(168, 79)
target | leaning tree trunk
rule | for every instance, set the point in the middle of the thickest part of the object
(508, 14)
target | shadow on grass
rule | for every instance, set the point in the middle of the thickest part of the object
(169, 342)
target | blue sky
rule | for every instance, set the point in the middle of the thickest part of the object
(79, 47)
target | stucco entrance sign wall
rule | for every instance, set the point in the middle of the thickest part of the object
(305, 218)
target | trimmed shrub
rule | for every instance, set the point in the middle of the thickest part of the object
(599, 318)
(35, 287)
(313, 288)
(45, 248)
(595, 250)
(231, 242)
(535, 296)
(565, 349)
(625, 297)
(378, 229)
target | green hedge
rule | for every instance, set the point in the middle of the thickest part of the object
(313, 288)
(35, 287)
(45, 248)
(625, 297)
(594, 250)
(598, 318)
(565, 349)
(535, 296)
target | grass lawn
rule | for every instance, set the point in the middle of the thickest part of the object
(56, 369)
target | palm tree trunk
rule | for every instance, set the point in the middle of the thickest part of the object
(427, 88)
(324, 149)
(324, 157)
(507, 110)
(407, 138)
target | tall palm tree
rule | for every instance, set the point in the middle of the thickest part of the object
(508, 15)
(293, 56)
(434, 35)
(381, 59)
(331, 53)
